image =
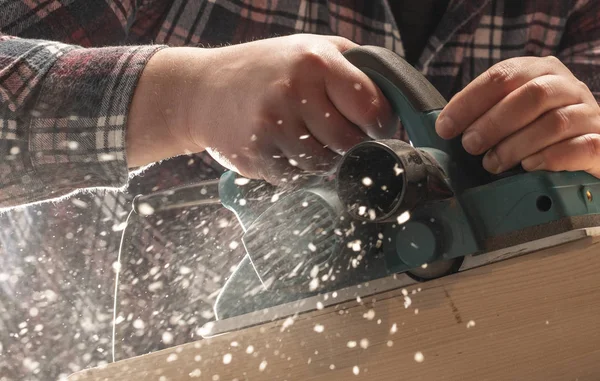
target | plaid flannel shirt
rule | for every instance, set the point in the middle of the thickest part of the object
(65, 95)
(68, 70)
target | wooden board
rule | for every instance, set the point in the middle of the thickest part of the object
(535, 317)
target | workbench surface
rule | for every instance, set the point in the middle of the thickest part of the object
(535, 317)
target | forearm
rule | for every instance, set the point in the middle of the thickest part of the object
(157, 122)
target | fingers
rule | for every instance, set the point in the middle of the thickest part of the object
(312, 109)
(490, 88)
(520, 108)
(526, 110)
(568, 155)
(329, 126)
(359, 100)
(277, 170)
(271, 166)
(553, 127)
(302, 149)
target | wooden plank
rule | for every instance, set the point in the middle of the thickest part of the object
(535, 317)
(389, 283)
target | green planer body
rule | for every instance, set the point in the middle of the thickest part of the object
(391, 207)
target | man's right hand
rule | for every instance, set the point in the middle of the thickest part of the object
(265, 109)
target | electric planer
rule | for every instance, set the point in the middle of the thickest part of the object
(392, 213)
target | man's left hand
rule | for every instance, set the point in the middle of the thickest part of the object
(527, 110)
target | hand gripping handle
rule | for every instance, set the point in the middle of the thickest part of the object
(416, 102)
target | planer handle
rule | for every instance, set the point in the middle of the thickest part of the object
(417, 103)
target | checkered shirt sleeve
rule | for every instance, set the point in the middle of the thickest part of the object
(580, 50)
(63, 112)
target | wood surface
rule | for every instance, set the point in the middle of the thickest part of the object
(535, 317)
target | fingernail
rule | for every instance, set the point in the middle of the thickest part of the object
(491, 162)
(445, 127)
(533, 163)
(472, 142)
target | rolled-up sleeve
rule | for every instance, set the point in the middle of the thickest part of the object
(63, 117)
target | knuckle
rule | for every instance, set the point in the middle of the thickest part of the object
(583, 86)
(287, 88)
(493, 125)
(592, 143)
(553, 60)
(340, 40)
(539, 91)
(502, 73)
(560, 121)
(311, 58)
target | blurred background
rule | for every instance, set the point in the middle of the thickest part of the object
(58, 264)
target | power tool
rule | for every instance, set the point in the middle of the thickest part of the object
(392, 213)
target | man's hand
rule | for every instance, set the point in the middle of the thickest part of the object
(527, 110)
(265, 109)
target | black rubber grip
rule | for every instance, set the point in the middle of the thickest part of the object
(416, 88)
